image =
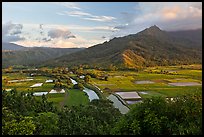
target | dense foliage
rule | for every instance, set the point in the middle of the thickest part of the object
(25, 114)
(158, 116)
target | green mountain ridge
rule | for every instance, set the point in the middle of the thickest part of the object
(33, 56)
(149, 47)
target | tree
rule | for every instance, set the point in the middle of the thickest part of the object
(106, 78)
(46, 123)
(96, 118)
(69, 82)
(78, 86)
(87, 78)
(161, 116)
(24, 126)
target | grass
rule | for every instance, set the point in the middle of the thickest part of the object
(126, 81)
(76, 97)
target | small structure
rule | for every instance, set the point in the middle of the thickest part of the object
(49, 81)
(39, 93)
(82, 77)
(55, 91)
(36, 85)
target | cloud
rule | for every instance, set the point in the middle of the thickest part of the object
(61, 35)
(12, 38)
(100, 18)
(121, 26)
(88, 16)
(62, 43)
(46, 39)
(168, 16)
(103, 37)
(11, 32)
(80, 28)
(41, 29)
(58, 33)
(78, 13)
(197, 5)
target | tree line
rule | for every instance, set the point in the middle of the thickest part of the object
(25, 114)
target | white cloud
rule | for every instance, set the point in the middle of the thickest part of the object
(11, 32)
(88, 16)
(78, 13)
(62, 43)
(168, 16)
(59, 33)
(79, 28)
(100, 18)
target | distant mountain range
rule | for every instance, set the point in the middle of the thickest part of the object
(189, 35)
(11, 46)
(19, 55)
(149, 47)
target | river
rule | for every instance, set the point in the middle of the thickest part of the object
(116, 102)
(92, 95)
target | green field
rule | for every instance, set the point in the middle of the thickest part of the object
(25, 85)
(76, 97)
(117, 81)
(72, 97)
(125, 80)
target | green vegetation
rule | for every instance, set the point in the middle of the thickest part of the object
(78, 86)
(71, 113)
(126, 81)
(25, 115)
(76, 97)
(150, 47)
(157, 116)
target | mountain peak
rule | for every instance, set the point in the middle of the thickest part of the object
(153, 31)
(154, 28)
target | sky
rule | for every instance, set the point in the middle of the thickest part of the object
(84, 24)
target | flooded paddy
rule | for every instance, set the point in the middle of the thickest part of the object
(142, 92)
(133, 101)
(185, 84)
(49, 81)
(128, 95)
(117, 104)
(22, 80)
(37, 85)
(144, 82)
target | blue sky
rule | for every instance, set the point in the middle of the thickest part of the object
(84, 24)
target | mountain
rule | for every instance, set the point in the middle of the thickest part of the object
(11, 46)
(34, 55)
(190, 35)
(149, 47)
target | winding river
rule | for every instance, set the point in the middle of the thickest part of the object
(116, 102)
(92, 95)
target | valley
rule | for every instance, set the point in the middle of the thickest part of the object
(146, 83)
